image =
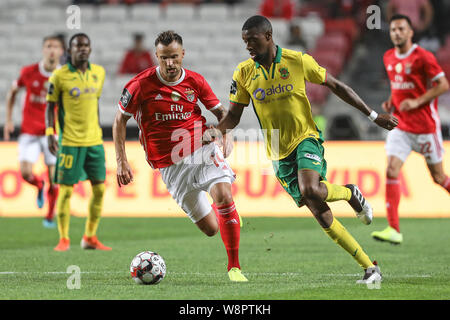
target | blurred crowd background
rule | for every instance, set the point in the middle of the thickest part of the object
(334, 32)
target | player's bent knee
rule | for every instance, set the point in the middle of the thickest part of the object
(309, 192)
(26, 175)
(211, 232)
(438, 178)
(209, 229)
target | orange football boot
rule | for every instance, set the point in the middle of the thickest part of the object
(93, 243)
(63, 245)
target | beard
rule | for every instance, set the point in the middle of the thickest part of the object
(400, 43)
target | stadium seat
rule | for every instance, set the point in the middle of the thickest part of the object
(113, 13)
(179, 12)
(446, 69)
(346, 25)
(336, 42)
(316, 93)
(146, 12)
(49, 14)
(215, 12)
(89, 13)
(443, 55)
(342, 127)
(312, 28)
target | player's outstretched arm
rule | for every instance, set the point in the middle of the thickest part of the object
(9, 125)
(347, 94)
(228, 122)
(124, 172)
(232, 118)
(49, 125)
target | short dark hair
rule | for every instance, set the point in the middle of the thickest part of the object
(401, 17)
(167, 37)
(54, 37)
(261, 23)
(138, 36)
(78, 35)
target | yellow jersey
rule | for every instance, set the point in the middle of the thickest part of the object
(279, 98)
(77, 96)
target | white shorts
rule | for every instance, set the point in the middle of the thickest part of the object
(31, 146)
(189, 179)
(399, 143)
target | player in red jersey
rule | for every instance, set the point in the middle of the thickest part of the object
(164, 102)
(32, 139)
(410, 69)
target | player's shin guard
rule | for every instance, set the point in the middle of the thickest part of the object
(63, 210)
(337, 192)
(230, 231)
(95, 209)
(343, 238)
(52, 195)
(392, 202)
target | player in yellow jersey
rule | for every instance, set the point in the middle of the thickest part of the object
(274, 80)
(76, 88)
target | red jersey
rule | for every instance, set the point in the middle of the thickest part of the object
(410, 75)
(170, 121)
(35, 79)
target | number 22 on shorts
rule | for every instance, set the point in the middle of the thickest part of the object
(65, 160)
(425, 148)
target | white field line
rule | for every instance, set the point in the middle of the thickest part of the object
(217, 274)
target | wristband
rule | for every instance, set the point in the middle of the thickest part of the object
(49, 131)
(373, 115)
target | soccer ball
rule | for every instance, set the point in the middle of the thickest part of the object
(148, 268)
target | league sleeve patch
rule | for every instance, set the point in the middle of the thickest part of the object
(51, 88)
(125, 98)
(233, 88)
(313, 157)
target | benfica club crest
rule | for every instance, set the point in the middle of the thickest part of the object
(284, 73)
(408, 68)
(190, 95)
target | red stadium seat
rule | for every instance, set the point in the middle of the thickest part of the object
(332, 61)
(336, 42)
(446, 69)
(443, 55)
(316, 93)
(346, 25)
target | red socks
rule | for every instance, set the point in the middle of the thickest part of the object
(446, 184)
(392, 202)
(230, 231)
(52, 195)
(35, 181)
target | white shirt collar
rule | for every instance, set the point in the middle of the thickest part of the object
(44, 72)
(406, 54)
(167, 83)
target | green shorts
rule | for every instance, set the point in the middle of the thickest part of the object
(80, 163)
(309, 154)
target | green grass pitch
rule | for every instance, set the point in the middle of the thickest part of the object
(283, 258)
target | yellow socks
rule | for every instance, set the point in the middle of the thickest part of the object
(63, 210)
(342, 237)
(337, 192)
(95, 209)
